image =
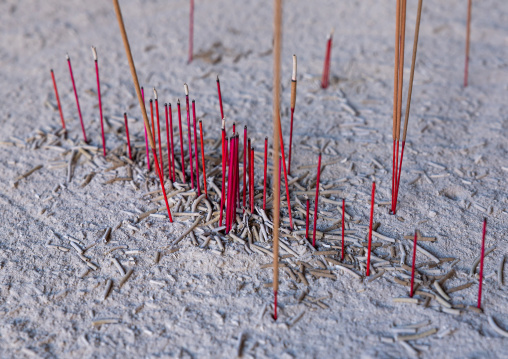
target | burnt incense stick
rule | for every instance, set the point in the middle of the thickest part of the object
(413, 266)
(203, 156)
(265, 165)
(343, 224)
(58, 99)
(224, 159)
(307, 204)
(132, 68)
(468, 38)
(220, 99)
(482, 256)
(77, 98)
(186, 89)
(326, 68)
(196, 155)
(372, 201)
(277, 44)
(251, 179)
(244, 167)
(168, 143)
(94, 52)
(316, 201)
(127, 135)
(293, 103)
(191, 31)
(181, 138)
(146, 136)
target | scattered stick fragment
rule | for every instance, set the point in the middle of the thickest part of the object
(496, 328)
(99, 322)
(125, 277)
(417, 336)
(109, 284)
(28, 173)
(478, 259)
(413, 267)
(500, 271)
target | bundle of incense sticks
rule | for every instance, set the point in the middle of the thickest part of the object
(398, 145)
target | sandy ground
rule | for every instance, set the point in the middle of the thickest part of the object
(199, 303)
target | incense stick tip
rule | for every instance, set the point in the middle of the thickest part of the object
(67, 57)
(155, 94)
(218, 78)
(94, 52)
(293, 77)
(186, 89)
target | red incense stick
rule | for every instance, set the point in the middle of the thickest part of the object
(191, 31)
(170, 131)
(220, 98)
(316, 201)
(159, 131)
(223, 189)
(153, 126)
(203, 156)
(307, 219)
(481, 263)
(251, 180)
(127, 135)
(168, 144)
(161, 179)
(285, 175)
(77, 99)
(326, 67)
(196, 155)
(343, 225)
(264, 173)
(468, 36)
(94, 51)
(413, 266)
(181, 139)
(146, 135)
(244, 166)
(58, 99)
(367, 271)
(186, 88)
(230, 183)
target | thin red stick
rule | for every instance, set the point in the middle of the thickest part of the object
(316, 202)
(244, 166)
(248, 167)
(100, 100)
(153, 126)
(170, 131)
(77, 99)
(162, 184)
(168, 144)
(326, 67)
(275, 305)
(481, 263)
(190, 139)
(343, 226)
(468, 35)
(127, 135)
(307, 219)
(413, 266)
(196, 155)
(58, 99)
(220, 98)
(285, 175)
(237, 171)
(251, 180)
(367, 270)
(159, 137)
(203, 156)
(191, 31)
(265, 167)
(181, 139)
(223, 189)
(230, 184)
(290, 141)
(146, 136)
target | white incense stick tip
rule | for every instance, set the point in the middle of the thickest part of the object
(155, 94)
(67, 57)
(186, 89)
(94, 52)
(293, 77)
(223, 123)
(332, 32)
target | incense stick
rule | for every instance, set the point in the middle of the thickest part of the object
(159, 131)
(293, 103)
(58, 99)
(181, 138)
(251, 180)
(343, 224)
(316, 201)
(146, 136)
(186, 89)
(264, 173)
(94, 52)
(127, 135)
(170, 131)
(367, 270)
(203, 156)
(168, 144)
(220, 99)
(288, 198)
(244, 166)
(277, 40)
(223, 189)
(196, 155)
(77, 99)
(482, 256)
(468, 38)
(326, 67)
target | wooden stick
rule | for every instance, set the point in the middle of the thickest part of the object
(277, 44)
(468, 37)
(307, 204)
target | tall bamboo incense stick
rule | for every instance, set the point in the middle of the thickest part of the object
(138, 93)
(293, 103)
(277, 42)
(94, 52)
(77, 98)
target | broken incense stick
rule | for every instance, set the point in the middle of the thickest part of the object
(293, 103)
(367, 270)
(316, 201)
(468, 38)
(480, 280)
(127, 135)
(413, 266)
(77, 98)
(58, 99)
(94, 52)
